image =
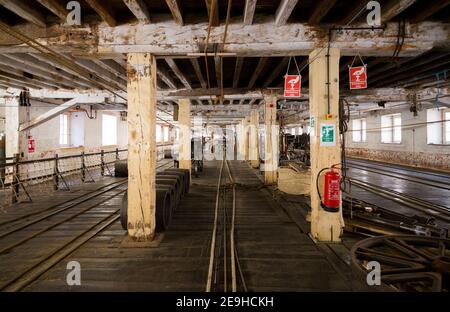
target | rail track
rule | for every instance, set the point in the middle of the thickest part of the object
(405, 171)
(62, 214)
(434, 210)
(441, 184)
(223, 249)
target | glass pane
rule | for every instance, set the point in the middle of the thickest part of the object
(356, 130)
(363, 130)
(447, 127)
(166, 134)
(109, 130)
(434, 126)
(158, 133)
(397, 129)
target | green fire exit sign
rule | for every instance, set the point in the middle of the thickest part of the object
(327, 135)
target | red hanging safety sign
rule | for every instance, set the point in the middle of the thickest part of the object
(358, 77)
(292, 86)
(31, 144)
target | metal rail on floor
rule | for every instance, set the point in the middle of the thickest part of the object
(216, 247)
(435, 210)
(406, 177)
(32, 273)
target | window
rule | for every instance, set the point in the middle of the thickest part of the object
(158, 133)
(63, 130)
(359, 130)
(438, 126)
(391, 128)
(109, 130)
(166, 134)
(447, 127)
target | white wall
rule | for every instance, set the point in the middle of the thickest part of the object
(85, 133)
(413, 149)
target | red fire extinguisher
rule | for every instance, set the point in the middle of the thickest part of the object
(31, 144)
(332, 191)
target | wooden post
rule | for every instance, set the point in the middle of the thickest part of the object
(271, 141)
(325, 151)
(141, 146)
(246, 128)
(254, 138)
(240, 130)
(83, 167)
(16, 141)
(184, 117)
(102, 162)
(56, 173)
(16, 179)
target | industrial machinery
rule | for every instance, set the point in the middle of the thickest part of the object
(403, 263)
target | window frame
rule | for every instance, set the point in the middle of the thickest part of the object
(116, 128)
(64, 136)
(392, 128)
(445, 127)
(362, 130)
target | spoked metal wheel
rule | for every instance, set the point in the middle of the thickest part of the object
(408, 263)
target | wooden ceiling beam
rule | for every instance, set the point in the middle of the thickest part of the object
(10, 84)
(237, 71)
(115, 67)
(359, 8)
(408, 67)
(198, 72)
(29, 63)
(249, 11)
(178, 73)
(40, 74)
(165, 76)
(120, 75)
(175, 8)
(213, 5)
(284, 11)
(410, 74)
(258, 70)
(26, 81)
(55, 7)
(429, 9)
(113, 80)
(103, 11)
(43, 63)
(277, 72)
(394, 8)
(320, 11)
(25, 11)
(218, 66)
(139, 9)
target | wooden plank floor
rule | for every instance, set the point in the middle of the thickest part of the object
(276, 253)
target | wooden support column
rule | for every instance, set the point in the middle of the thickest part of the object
(254, 138)
(16, 141)
(271, 140)
(325, 145)
(240, 141)
(246, 134)
(184, 118)
(141, 146)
